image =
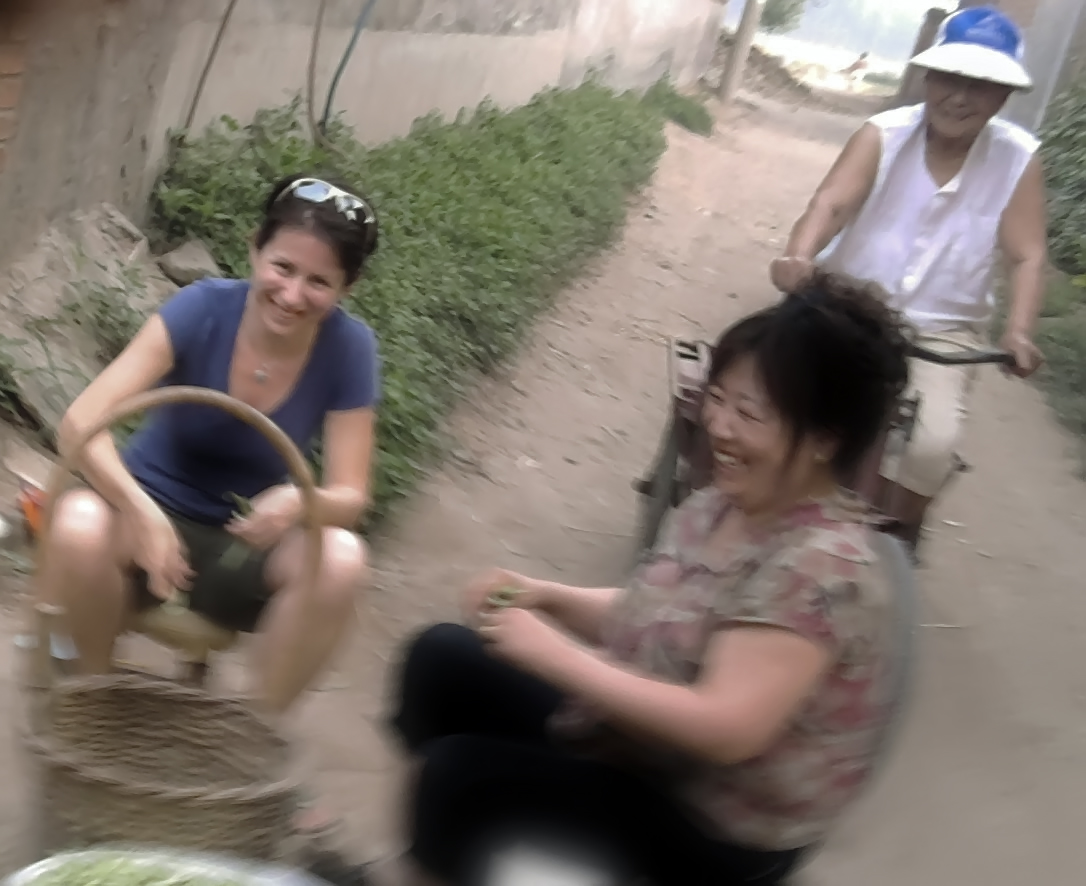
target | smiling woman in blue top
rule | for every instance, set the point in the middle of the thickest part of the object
(160, 516)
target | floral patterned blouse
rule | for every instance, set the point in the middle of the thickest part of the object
(816, 574)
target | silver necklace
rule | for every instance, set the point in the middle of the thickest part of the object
(260, 374)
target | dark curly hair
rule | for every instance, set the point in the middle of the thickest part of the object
(832, 358)
(352, 240)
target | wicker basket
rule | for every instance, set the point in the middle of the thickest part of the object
(137, 760)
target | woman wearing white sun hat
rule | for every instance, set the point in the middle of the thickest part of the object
(921, 200)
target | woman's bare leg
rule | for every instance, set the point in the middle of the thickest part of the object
(303, 626)
(82, 570)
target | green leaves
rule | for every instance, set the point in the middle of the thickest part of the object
(1063, 148)
(482, 222)
(238, 551)
(781, 16)
(686, 110)
(118, 869)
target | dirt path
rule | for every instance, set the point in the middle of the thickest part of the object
(990, 774)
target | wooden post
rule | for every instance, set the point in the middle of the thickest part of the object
(911, 91)
(736, 62)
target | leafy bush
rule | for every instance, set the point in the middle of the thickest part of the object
(686, 110)
(882, 78)
(781, 16)
(482, 221)
(1061, 331)
(1063, 140)
(1061, 335)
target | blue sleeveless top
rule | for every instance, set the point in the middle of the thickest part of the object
(189, 458)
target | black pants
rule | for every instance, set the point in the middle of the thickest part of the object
(491, 775)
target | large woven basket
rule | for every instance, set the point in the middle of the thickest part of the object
(138, 760)
(131, 759)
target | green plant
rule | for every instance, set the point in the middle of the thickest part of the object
(105, 310)
(686, 110)
(118, 870)
(882, 78)
(1061, 336)
(781, 16)
(1063, 148)
(483, 220)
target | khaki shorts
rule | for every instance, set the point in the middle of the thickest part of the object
(944, 392)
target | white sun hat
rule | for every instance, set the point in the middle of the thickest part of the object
(981, 43)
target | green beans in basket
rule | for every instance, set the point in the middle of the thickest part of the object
(122, 871)
(238, 552)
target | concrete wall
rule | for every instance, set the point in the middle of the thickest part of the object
(84, 104)
(13, 33)
(89, 89)
(1050, 34)
(424, 55)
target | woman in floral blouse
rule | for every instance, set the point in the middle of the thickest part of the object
(710, 721)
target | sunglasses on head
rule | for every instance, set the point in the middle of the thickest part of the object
(313, 190)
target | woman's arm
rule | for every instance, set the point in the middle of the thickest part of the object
(760, 666)
(580, 611)
(348, 454)
(343, 494)
(1023, 241)
(138, 368)
(840, 196)
(753, 682)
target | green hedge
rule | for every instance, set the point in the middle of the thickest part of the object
(1061, 331)
(1063, 148)
(482, 221)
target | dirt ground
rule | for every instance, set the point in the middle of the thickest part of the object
(990, 773)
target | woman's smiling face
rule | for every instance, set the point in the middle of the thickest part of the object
(960, 107)
(297, 279)
(755, 461)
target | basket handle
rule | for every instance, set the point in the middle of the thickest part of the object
(61, 476)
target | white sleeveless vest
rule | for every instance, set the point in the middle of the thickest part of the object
(934, 249)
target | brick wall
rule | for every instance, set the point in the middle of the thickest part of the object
(13, 22)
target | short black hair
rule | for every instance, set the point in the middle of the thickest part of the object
(353, 240)
(833, 359)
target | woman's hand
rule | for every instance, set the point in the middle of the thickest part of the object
(1027, 356)
(271, 514)
(525, 640)
(159, 552)
(476, 600)
(790, 274)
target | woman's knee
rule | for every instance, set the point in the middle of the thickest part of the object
(341, 572)
(82, 528)
(441, 649)
(343, 561)
(425, 685)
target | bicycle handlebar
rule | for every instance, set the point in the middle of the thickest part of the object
(961, 358)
